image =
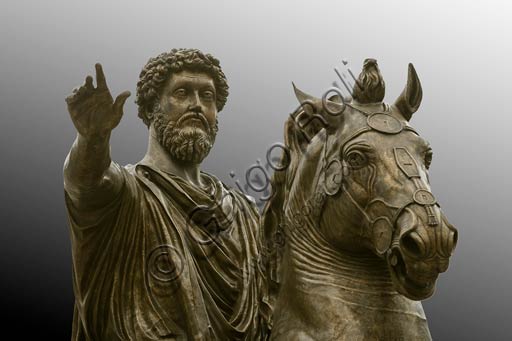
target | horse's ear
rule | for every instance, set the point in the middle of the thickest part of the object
(410, 99)
(309, 103)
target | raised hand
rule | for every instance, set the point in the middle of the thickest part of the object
(92, 109)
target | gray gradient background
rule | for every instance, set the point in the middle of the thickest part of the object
(461, 50)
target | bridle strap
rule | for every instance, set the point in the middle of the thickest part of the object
(380, 123)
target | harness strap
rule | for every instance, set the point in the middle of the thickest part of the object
(384, 123)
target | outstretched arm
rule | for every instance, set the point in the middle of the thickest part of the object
(94, 114)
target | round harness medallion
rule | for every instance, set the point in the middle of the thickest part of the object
(424, 197)
(384, 123)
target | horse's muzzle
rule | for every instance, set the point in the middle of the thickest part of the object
(420, 251)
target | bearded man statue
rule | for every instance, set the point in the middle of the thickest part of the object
(161, 250)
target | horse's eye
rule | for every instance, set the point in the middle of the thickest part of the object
(428, 158)
(356, 159)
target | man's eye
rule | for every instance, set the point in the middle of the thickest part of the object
(180, 93)
(428, 158)
(208, 95)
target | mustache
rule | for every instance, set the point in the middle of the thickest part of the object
(193, 115)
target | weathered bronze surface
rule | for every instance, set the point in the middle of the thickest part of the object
(354, 237)
(161, 250)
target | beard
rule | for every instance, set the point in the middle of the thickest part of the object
(184, 140)
(370, 87)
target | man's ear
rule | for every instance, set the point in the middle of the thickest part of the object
(151, 113)
(156, 106)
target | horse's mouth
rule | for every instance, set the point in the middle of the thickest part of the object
(406, 283)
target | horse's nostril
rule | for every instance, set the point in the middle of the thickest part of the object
(411, 245)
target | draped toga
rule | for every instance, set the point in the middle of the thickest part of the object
(162, 259)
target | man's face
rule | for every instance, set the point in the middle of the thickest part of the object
(187, 92)
(186, 124)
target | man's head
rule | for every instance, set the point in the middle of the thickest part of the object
(180, 93)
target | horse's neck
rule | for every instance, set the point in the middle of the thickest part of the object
(329, 294)
(323, 276)
(314, 260)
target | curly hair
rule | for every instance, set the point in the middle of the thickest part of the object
(157, 71)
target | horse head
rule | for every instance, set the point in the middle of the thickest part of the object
(367, 167)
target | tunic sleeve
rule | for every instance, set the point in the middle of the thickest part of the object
(87, 199)
(98, 218)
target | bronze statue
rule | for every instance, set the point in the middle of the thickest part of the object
(353, 234)
(161, 250)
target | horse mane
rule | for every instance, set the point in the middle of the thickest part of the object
(272, 222)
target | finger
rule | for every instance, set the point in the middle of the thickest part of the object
(74, 96)
(78, 93)
(70, 99)
(88, 83)
(120, 100)
(101, 82)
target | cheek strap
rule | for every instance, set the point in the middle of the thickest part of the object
(421, 196)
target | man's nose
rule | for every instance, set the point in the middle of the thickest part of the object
(195, 102)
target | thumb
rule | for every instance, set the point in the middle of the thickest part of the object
(120, 100)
